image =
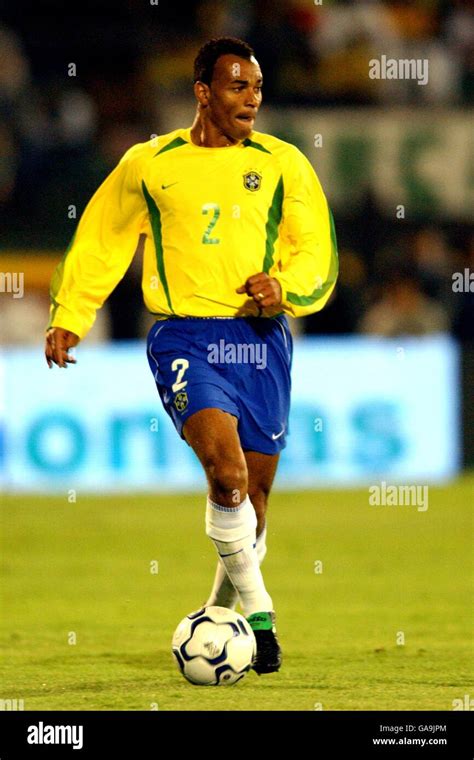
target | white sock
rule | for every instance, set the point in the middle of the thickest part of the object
(262, 544)
(223, 593)
(232, 530)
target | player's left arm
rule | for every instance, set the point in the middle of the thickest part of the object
(308, 275)
(265, 290)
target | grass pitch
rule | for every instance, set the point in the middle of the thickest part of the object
(384, 623)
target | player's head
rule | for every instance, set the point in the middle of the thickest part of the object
(228, 85)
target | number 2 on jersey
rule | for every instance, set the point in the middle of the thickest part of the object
(217, 212)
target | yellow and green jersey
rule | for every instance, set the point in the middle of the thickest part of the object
(212, 217)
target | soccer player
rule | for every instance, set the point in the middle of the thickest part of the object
(237, 234)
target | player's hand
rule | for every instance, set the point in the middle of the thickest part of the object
(57, 345)
(265, 290)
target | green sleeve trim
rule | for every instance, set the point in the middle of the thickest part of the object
(273, 222)
(52, 315)
(319, 293)
(176, 143)
(155, 218)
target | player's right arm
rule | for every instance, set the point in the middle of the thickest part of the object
(57, 345)
(97, 257)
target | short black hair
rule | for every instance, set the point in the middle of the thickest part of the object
(212, 50)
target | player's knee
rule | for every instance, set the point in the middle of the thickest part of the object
(229, 478)
(259, 498)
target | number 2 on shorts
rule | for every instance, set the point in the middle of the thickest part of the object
(180, 366)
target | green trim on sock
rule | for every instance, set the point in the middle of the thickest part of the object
(260, 621)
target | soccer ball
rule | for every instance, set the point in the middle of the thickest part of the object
(214, 646)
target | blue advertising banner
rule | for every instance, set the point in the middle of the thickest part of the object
(362, 408)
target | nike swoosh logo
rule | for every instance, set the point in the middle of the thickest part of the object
(165, 187)
(278, 434)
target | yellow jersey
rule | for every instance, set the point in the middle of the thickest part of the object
(212, 217)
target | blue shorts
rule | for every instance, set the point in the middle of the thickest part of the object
(241, 365)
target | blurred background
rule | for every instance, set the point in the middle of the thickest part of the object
(390, 359)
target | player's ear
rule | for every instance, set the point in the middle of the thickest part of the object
(202, 93)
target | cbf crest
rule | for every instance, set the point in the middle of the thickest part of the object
(181, 401)
(252, 181)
